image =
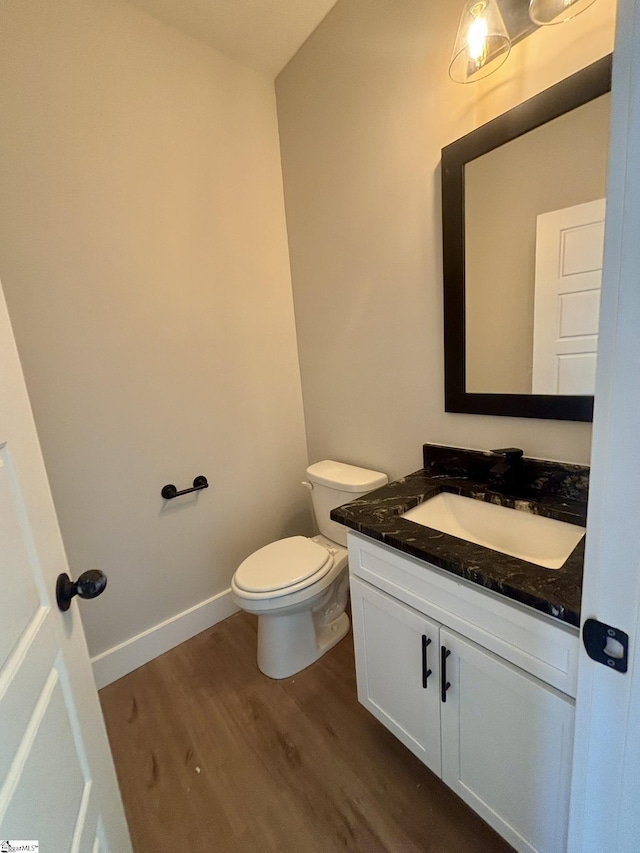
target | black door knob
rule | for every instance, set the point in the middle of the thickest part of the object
(89, 585)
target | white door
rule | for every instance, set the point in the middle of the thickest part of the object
(605, 813)
(506, 746)
(569, 250)
(396, 647)
(57, 781)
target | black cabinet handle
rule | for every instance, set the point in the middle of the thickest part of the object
(425, 672)
(90, 584)
(444, 654)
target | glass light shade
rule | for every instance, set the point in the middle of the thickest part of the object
(482, 43)
(543, 12)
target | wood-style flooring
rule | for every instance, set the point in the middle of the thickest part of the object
(213, 757)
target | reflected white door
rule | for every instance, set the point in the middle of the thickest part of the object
(57, 781)
(569, 249)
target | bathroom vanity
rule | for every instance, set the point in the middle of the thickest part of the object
(469, 655)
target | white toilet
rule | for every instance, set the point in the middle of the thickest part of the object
(298, 587)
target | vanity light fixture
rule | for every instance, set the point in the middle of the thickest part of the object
(482, 43)
(543, 12)
(488, 29)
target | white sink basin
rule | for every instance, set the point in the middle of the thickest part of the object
(534, 538)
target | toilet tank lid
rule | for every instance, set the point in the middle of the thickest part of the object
(346, 478)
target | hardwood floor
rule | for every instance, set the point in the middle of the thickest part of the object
(213, 757)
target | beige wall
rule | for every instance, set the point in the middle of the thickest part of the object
(558, 165)
(144, 259)
(364, 109)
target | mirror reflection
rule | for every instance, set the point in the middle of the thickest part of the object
(534, 227)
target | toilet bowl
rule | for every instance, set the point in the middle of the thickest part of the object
(302, 617)
(298, 587)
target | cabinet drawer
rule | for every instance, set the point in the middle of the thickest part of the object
(532, 641)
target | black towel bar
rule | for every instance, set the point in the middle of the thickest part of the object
(170, 491)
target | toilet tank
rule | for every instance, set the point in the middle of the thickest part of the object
(334, 484)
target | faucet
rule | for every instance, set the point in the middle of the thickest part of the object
(509, 457)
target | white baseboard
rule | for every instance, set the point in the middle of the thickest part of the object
(127, 656)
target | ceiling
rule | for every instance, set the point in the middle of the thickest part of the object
(263, 34)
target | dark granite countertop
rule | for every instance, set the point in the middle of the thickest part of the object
(551, 489)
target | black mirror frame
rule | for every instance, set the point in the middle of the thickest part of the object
(582, 87)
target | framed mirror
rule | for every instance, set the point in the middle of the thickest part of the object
(523, 203)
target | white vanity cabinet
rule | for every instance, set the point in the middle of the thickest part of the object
(396, 665)
(506, 746)
(500, 735)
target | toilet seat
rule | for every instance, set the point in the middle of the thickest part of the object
(282, 567)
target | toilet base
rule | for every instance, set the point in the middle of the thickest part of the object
(289, 643)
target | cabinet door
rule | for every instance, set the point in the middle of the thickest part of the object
(506, 746)
(395, 648)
